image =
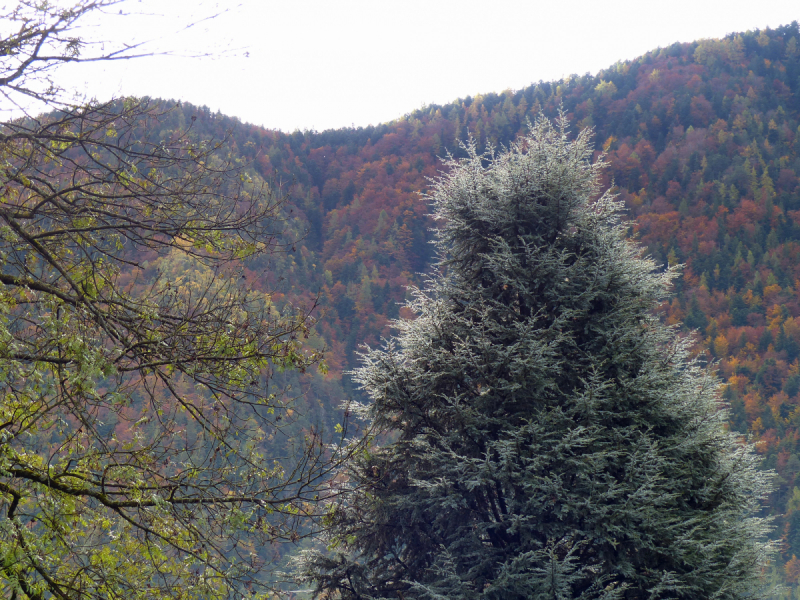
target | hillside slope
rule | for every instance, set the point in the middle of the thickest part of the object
(704, 145)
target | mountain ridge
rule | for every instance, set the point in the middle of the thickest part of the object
(703, 145)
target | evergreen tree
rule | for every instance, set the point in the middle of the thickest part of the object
(551, 438)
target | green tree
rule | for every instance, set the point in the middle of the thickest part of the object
(552, 438)
(136, 367)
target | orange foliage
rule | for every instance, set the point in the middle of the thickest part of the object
(792, 570)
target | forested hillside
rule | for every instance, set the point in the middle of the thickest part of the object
(704, 145)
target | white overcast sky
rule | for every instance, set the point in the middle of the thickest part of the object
(319, 64)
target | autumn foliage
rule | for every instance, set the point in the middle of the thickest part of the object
(704, 145)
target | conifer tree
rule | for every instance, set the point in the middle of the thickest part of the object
(551, 437)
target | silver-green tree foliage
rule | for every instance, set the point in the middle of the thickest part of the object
(551, 437)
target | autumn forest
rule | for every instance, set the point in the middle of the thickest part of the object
(703, 141)
(204, 292)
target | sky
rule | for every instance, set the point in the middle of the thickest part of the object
(321, 64)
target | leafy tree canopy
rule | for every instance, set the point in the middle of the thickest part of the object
(140, 428)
